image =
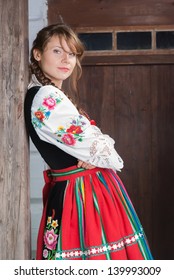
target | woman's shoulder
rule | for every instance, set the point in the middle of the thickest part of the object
(48, 90)
(53, 98)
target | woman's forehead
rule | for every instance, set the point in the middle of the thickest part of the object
(61, 41)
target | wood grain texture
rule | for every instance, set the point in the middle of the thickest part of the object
(14, 182)
(134, 104)
(163, 159)
(133, 59)
(90, 13)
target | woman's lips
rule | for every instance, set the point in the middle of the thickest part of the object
(63, 69)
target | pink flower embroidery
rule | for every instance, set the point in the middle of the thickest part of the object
(49, 102)
(45, 253)
(68, 139)
(50, 239)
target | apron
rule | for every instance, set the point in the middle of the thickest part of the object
(95, 219)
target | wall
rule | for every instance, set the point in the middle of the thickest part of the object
(37, 20)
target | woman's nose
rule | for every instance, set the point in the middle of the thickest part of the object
(65, 56)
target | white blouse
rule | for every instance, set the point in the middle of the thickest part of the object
(57, 121)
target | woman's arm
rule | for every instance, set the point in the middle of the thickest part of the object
(57, 121)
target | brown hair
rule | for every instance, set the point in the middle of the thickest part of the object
(63, 31)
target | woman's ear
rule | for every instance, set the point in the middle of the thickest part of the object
(37, 54)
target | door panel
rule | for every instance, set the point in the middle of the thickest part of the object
(134, 104)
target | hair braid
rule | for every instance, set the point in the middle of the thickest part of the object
(36, 70)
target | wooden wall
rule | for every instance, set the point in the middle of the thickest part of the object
(14, 173)
(90, 13)
(134, 104)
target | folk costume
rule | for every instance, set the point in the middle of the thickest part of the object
(87, 214)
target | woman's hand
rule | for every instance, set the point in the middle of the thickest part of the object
(82, 164)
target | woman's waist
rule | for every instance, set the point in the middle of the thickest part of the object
(68, 173)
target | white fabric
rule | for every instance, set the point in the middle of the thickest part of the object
(57, 121)
(34, 82)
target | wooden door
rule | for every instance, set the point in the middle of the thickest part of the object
(134, 104)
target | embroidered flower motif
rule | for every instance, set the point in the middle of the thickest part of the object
(74, 129)
(45, 253)
(60, 128)
(49, 220)
(50, 239)
(39, 115)
(68, 139)
(44, 111)
(54, 224)
(49, 102)
(69, 135)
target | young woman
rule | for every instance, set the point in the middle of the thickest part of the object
(87, 213)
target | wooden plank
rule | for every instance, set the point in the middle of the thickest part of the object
(112, 13)
(96, 96)
(162, 85)
(133, 121)
(124, 28)
(14, 175)
(128, 59)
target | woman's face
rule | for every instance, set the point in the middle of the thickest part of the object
(57, 61)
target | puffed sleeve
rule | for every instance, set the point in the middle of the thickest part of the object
(57, 121)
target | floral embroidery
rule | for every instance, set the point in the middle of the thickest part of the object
(73, 133)
(74, 129)
(39, 115)
(50, 238)
(49, 102)
(44, 111)
(45, 253)
(49, 220)
(68, 139)
(54, 224)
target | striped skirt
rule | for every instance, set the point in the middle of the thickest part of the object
(88, 215)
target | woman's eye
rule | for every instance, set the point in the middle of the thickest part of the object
(57, 51)
(72, 54)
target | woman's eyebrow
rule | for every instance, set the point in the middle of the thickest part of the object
(58, 47)
(62, 49)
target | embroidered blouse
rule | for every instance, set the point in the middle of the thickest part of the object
(57, 121)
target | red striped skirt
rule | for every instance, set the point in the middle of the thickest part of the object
(98, 220)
